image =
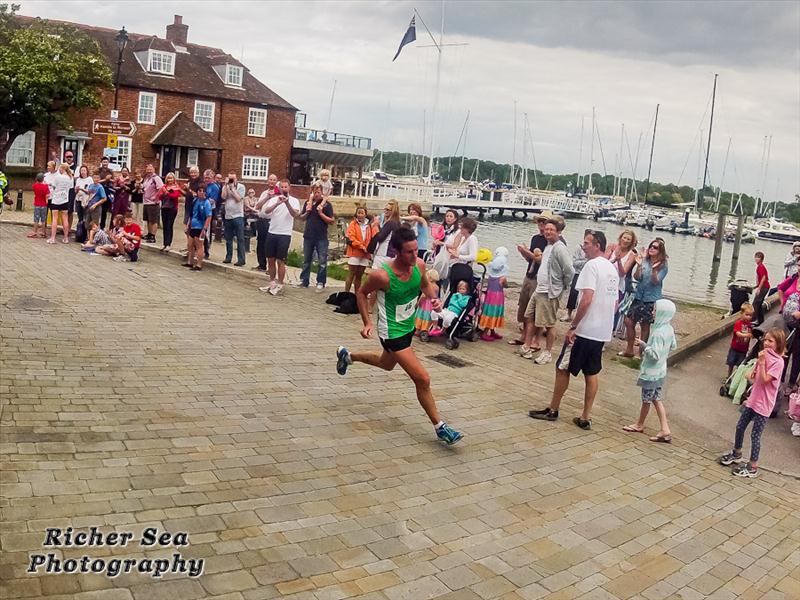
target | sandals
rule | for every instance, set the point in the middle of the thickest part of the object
(49, 241)
(515, 342)
(633, 429)
(663, 439)
(626, 355)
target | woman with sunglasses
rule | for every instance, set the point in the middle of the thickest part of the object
(651, 269)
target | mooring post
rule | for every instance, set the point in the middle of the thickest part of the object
(719, 236)
(737, 242)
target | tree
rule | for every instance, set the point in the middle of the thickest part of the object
(46, 70)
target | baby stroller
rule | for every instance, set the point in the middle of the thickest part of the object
(466, 325)
(737, 387)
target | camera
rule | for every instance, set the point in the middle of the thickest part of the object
(230, 180)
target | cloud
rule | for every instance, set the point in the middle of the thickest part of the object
(557, 60)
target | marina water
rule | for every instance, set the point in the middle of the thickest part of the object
(690, 277)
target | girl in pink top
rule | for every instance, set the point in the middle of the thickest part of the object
(766, 378)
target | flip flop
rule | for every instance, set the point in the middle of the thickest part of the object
(515, 342)
(632, 429)
(664, 439)
(626, 355)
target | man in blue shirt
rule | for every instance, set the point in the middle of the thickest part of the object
(214, 196)
(97, 197)
(197, 228)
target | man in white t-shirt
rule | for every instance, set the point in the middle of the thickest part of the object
(281, 211)
(591, 328)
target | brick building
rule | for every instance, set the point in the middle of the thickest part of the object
(191, 105)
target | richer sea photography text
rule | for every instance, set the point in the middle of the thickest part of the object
(111, 567)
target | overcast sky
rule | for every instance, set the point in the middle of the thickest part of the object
(557, 60)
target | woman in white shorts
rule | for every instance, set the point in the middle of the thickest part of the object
(358, 236)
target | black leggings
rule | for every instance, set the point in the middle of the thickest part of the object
(748, 414)
(168, 223)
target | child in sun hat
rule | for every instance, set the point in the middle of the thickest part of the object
(494, 303)
(422, 319)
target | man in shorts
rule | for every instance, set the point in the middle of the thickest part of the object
(398, 284)
(591, 328)
(529, 282)
(553, 279)
(151, 205)
(281, 211)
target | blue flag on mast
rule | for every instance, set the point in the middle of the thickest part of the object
(410, 36)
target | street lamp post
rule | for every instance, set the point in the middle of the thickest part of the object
(122, 40)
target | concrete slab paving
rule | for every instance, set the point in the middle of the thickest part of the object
(138, 396)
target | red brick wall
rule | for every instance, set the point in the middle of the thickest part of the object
(230, 129)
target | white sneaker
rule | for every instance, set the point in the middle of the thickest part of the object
(265, 288)
(276, 290)
(544, 358)
(796, 429)
(121, 259)
(320, 287)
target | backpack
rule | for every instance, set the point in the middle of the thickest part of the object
(80, 232)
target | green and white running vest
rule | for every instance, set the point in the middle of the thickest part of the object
(397, 305)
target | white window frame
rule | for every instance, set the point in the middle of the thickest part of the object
(230, 70)
(255, 168)
(199, 103)
(166, 62)
(251, 123)
(192, 157)
(123, 141)
(29, 149)
(142, 96)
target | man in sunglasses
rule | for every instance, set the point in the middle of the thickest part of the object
(591, 328)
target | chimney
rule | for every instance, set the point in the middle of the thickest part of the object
(178, 33)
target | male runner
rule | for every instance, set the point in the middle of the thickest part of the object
(398, 284)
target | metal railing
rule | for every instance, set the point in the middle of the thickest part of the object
(329, 137)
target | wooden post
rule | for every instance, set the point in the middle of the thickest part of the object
(719, 236)
(737, 243)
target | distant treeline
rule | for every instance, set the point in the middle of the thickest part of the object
(659, 194)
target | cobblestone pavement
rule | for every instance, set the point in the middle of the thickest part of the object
(143, 395)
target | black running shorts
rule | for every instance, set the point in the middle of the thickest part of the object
(397, 344)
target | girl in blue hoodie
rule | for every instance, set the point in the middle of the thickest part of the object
(653, 370)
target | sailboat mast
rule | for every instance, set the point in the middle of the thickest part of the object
(591, 156)
(330, 106)
(652, 148)
(514, 146)
(618, 187)
(580, 159)
(708, 147)
(436, 97)
(464, 149)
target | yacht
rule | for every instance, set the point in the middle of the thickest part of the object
(777, 231)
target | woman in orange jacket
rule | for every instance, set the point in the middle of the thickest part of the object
(359, 233)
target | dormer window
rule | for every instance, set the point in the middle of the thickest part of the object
(161, 62)
(233, 75)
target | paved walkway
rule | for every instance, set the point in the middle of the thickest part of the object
(138, 395)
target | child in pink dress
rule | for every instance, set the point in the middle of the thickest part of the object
(766, 378)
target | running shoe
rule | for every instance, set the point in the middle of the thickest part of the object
(796, 429)
(448, 435)
(526, 352)
(320, 287)
(744, 470)
(544, 358)
(343, 360)
(729, 459)
(121, 259)
(545, 414)
(275, 289)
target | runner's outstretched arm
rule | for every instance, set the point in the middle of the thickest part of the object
(377, 280)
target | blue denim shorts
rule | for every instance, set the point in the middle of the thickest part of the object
(39, 214)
